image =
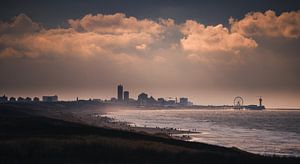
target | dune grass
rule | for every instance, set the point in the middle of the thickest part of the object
(25, 138)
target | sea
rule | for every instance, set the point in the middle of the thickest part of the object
(267, 132)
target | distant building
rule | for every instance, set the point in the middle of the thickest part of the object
(21, 99)
(113, 99)
(50, 98)
(190, 103)
(151, 101)
(120, 92)
(171, 102)
(142, 98)
(97, 100)
(183, 101)
(3, 99)
(132, 101)
(36, 99)
(12, 99)
(161, 101)
(126, 96)
(28, 99)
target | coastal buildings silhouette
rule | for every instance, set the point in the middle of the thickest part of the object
(120, 92)
(50, 98)
(123, 99)
(3, 98)
(126, 96)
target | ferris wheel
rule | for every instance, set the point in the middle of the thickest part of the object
(238, 102)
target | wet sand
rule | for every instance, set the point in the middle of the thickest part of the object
(39, 134)
(94, 117)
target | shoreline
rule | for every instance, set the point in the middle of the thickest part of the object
(197, 137)
(29, 135)
(96, 117)
(100, 120)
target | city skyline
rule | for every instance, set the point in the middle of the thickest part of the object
(143, 99)
(209, 52)
(150, 81)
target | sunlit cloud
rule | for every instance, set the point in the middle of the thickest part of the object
(89, 36)
(141, 46)
(104, 35)
(201, 38)
(287, 24)
(115, 24)
(99, 50)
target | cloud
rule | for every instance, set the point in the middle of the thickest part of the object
(141, 47)
(200, 38)
(115, 24)
(107, 35)
(268, 24)
(19, 25)
(118, 34)
(99, 35)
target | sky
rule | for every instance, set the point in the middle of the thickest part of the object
(209, 51)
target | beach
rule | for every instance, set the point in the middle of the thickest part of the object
(56, 133)
(95, 116)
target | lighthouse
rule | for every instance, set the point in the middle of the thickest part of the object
(260, 102)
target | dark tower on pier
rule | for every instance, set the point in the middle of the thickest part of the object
(120, 92)
(260, 102)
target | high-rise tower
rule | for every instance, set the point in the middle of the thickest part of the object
(120, 92)
(126, 95)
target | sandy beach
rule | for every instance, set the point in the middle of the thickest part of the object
(96, 117)
(60, 133)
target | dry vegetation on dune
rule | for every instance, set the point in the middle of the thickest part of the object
(34, 139)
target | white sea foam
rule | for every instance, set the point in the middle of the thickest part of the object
(263, 132)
